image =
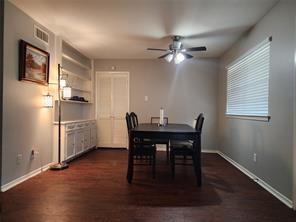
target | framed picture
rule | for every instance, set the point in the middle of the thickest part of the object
(33, 63)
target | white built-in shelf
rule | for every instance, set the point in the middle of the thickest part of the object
(81, 90)
(72, 101)
(66, 71)
(75, 61)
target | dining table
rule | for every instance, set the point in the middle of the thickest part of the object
(171, 131)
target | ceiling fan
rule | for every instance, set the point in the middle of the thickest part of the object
(177, 52)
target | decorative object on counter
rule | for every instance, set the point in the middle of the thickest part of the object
(67, 91)
(33, 64)
(78, 98)
(61, 165)
(161, 117)
(47, 101)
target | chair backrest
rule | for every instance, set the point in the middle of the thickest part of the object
(134, 119)
(128, 122)
(199, 122)
(156, 120)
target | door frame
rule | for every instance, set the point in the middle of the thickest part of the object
(294, 124)
(97, 73)
(1, 80)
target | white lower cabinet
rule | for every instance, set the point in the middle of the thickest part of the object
(76, 137)
(70, 144)
(79, 142)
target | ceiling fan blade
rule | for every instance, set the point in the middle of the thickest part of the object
(187, 56)
(160, 57)
(164, 50)
(193, 49)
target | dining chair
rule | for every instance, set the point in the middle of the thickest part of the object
(134, 119)
(186, 148)
(162, 141)
(141, 148)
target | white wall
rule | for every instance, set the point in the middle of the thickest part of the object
(272, 141)
(184, 90)
(26, 125)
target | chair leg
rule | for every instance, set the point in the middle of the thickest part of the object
(172, 161)
(153, 166)
(195, 166)
(167, 152)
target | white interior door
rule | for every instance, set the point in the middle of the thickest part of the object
(112, 104)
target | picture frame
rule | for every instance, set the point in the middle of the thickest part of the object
(33, 63)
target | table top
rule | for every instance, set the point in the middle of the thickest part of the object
(169, 128)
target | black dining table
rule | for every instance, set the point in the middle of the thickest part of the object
(169, 131)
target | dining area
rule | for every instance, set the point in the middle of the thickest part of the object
(182, 144)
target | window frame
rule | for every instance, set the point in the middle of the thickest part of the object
(264, 118)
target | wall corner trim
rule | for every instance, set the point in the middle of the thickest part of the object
(21, 179)
(261, 182)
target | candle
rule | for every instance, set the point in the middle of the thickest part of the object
(161, 115)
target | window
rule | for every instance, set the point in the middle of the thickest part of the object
(248, 83)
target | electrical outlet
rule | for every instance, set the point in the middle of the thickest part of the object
(146, 98)
(255, 157)
(19, 158)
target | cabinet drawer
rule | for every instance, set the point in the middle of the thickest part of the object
(79, 125)
(70, 127)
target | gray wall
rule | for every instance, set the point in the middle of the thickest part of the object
(26, 125)
(184, 90)
(272, 141)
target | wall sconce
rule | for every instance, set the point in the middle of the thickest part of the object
(67, 92)
(47, 101)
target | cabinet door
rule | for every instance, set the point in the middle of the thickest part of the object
(93, 137)
(79, 141)
(104, 114)
(120, 98)
(86, 139)
(70, 145)
(112, 104)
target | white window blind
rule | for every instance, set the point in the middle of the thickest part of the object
(248, 83)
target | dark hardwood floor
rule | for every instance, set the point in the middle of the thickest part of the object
(94, 188)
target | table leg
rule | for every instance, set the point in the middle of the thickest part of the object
(130, 167)
(197, 160)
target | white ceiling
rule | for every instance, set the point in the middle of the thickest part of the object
(125, 28)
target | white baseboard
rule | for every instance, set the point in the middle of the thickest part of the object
(21, 179)
(209, 151)
(261, 182)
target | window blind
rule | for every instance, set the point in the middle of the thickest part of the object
(248, 83)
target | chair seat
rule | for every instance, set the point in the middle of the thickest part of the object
(144, 150)
(157, 141)
(181, 143)
(182, 151)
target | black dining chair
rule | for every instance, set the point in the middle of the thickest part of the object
(155, 120)
(186, 148)
(134, 119)
(141, 148)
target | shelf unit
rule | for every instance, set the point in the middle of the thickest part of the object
(78, 71)
(73, 101)
(65, 56)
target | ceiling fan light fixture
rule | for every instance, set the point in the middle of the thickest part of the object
(169, 58)
(179, 58)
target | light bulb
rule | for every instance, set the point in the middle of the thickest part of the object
(169, 58)
(63, 83)
(179, 58)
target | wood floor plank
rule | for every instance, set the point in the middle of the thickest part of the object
(94, 188)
